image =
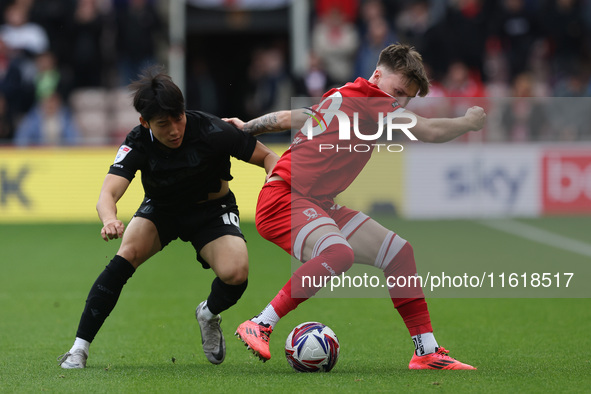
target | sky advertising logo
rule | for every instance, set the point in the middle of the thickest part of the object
(321, 118)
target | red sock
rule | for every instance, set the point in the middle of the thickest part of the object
(307, 279)
(283, 303)
(415, 314)
(409, 300)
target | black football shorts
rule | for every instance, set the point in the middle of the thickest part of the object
(199, 223)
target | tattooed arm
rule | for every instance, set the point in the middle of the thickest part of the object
(271, 122)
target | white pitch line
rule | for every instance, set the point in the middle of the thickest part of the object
(538, 235)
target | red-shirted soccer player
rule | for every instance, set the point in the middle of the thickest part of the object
(296, 208)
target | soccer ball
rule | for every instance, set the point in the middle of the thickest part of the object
(312, 347)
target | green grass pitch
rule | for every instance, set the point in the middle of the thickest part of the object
(151, 341)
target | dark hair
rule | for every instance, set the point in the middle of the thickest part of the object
(406, 60)
(155, 95)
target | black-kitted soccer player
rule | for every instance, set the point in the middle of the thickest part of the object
(184, 159)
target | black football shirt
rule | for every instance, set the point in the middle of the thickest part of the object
(177, 177)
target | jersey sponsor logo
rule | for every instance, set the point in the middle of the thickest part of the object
(121, 153)
(311, 213)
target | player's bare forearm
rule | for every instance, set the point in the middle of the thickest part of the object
(264, 157)
(437, 130)
(113, 189)
(271, 122)
(107, 210)
(276, 121)
(268, 123)
(270, 161)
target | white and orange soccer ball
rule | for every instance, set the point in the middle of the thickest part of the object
(312, 347)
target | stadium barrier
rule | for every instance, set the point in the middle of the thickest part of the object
(422, 182)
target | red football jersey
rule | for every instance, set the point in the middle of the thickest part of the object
(326, 164)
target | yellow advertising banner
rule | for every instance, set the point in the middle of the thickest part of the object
(58, 185)
(63, 185)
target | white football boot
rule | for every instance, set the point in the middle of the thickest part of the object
(212, 339)
(75, 359)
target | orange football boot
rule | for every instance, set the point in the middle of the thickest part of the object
(256, 338)
(437, 360)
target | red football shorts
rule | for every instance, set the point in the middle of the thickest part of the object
(286, 218)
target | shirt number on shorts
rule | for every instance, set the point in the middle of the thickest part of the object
(231, 218)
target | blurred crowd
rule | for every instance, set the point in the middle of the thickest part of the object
(520, 50)
(468, 45)
(64, 64)
(52, 52)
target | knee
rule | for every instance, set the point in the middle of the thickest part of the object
(235, 275)
(132, 254)
(341, 257)
(348, 257)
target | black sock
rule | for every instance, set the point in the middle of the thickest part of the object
(103, 296)
(223, 296)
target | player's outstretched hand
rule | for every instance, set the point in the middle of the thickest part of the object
(476, 116)
(235, 121)
(112, 230)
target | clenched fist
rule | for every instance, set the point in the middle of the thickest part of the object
(476, 116)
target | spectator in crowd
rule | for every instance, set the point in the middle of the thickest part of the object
(466, 23)
(495, 69)
(377, 37)
(139, 28)
(19, 34)
(460, 81)
(86, 54)
(4, 59)
(370, 10)
(422, 24)
(18, 87)
(202, 91)
(515, 26)
(48, 77)
(6, 127)
(336, 42)
(55, 16)
(523, 118)
(570, 114)
(413, 22)
(267, 80)
(564, 27)
(48, 123)
(348, 9)
(460, 85)
(573, 83)
(21, 40)
(315, 80)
